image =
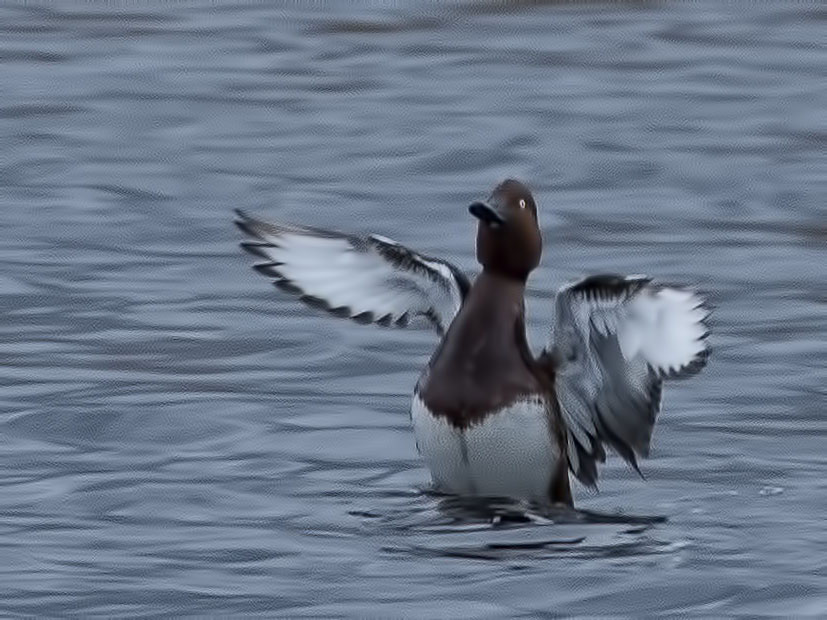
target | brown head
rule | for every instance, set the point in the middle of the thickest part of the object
(508, 236)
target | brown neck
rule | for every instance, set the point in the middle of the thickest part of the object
(501, 304)
(491, 314)
(507, 291)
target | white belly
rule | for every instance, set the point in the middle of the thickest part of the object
(510, 453)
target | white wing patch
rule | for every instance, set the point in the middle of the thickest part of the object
(664, 326)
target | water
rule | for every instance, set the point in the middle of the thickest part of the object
(180, 438)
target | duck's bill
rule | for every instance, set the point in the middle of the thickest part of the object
(487, 213)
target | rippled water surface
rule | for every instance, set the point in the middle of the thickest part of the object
(177, 437)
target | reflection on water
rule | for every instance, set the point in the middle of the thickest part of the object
(179, 438)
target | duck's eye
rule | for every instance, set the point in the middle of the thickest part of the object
(522, 203)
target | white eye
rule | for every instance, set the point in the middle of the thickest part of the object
(522, 203)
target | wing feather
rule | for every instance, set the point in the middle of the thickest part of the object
(369, 279)
(613, 342)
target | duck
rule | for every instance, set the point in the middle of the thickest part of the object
(491, 418)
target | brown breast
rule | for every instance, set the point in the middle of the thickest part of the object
(483, 363)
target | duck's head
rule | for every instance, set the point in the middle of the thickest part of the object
(508, 236)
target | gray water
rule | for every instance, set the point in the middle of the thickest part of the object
(178, 437)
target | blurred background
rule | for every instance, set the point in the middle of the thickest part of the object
(178, 437)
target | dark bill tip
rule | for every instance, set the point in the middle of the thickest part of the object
(486, 213)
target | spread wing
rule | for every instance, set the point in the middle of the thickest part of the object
(613, 342)
(369, 279)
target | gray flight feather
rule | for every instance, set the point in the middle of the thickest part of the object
(613, 341)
